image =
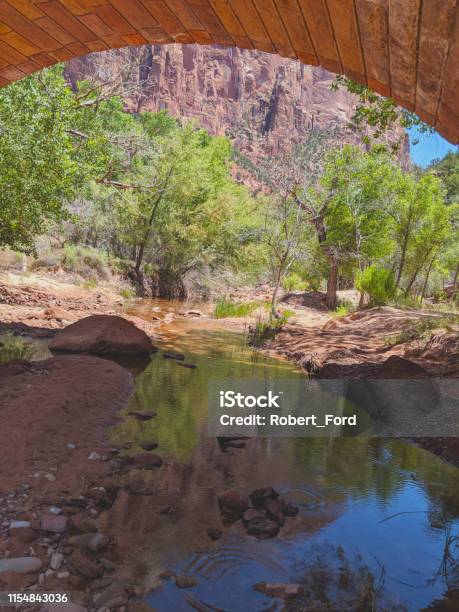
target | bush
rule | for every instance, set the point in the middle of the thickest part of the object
(377, 283)
(344, 308)
(86, 261)
(422, 329)
(267, 328)
(226, 308)
(12, 347)
(294, 282)
(127, 293)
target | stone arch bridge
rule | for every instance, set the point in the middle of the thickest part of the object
(406, 49)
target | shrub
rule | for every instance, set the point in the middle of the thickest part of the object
(344, 308)
(226, 308)
(294, 282)
(127, 293)
(377, 283)
(422, 329)
(12, 347)
(86, 261)
(267, 328)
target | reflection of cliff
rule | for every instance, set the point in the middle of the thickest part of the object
(264, 102)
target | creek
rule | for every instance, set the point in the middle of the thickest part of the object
(379, 507)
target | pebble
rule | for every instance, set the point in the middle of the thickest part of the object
(20, 565)
(19, 524)
(55, 510)
(53, 523)
(94, 456)
(71, 445)
(63, 575)
(50, 477)
(56, 561)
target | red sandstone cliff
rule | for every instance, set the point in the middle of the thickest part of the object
(265, 103)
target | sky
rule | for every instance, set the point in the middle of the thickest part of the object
(429, 147)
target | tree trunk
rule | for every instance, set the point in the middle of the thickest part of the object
(416, 272)
(146, 237)
(429, 269)
(456, 278)
(332, 284)
(402, 262)
(276, 291)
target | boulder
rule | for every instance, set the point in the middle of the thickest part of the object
(102, 335)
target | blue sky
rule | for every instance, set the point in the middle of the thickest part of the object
(429, 147)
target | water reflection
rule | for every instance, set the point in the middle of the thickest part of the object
(385, 503)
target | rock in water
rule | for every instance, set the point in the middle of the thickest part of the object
(147, 461)
(282, 591)
(20, 565)
(185, 582)
(174, 355)
(142, 415)
(232, 505)
(102, 335)
(148, 446)
(259, 497)
(262, 527)
(214, 534)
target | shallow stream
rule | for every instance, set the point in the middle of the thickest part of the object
(367, 506)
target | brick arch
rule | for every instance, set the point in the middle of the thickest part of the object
(406, 49)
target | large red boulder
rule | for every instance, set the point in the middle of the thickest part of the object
(102, 335)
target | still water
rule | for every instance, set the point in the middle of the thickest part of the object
(372, 511)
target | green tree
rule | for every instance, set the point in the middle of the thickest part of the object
(422, 226)
(51, 144)
(447, 170)
(347, 210)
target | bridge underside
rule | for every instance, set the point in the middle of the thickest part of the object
(406, 49)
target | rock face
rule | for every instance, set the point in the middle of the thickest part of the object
(266, 104)
(102, 335)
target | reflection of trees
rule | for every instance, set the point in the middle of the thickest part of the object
(357, 465)
(179, 396)
(364, 465)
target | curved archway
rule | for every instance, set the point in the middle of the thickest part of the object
(406, 49)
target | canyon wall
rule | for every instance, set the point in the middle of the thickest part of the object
(266, 104)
